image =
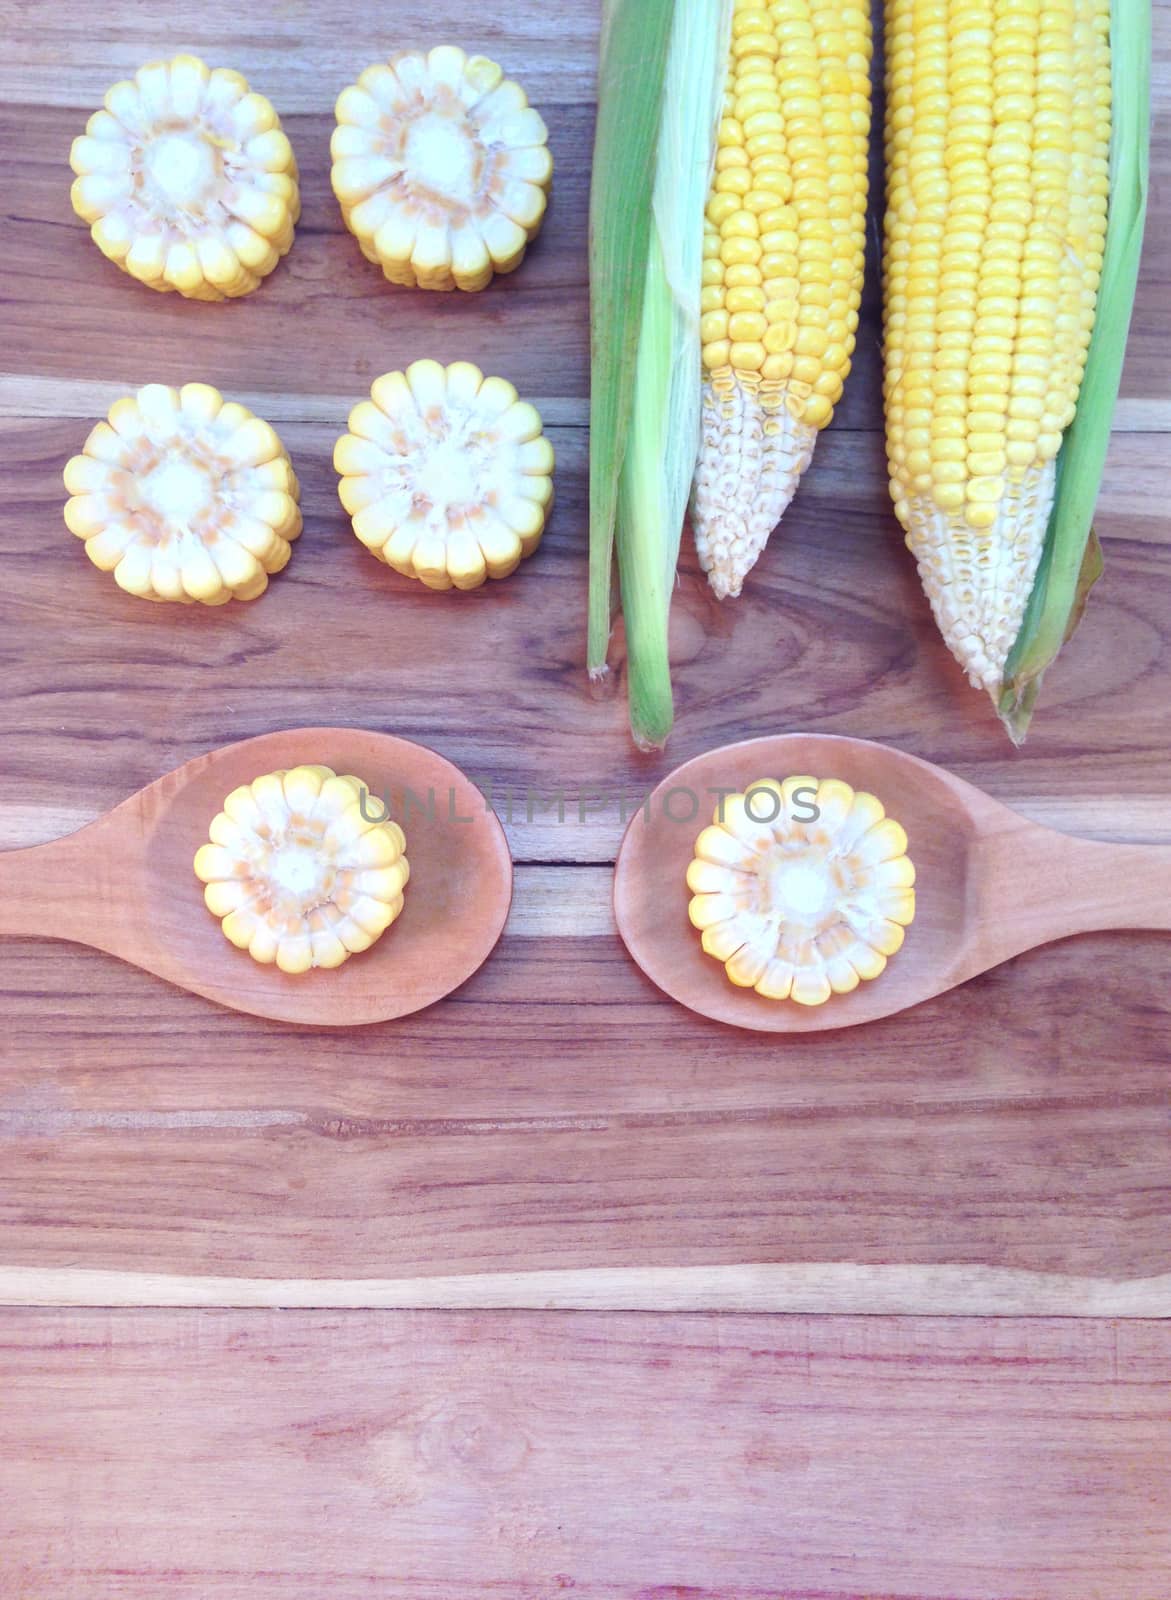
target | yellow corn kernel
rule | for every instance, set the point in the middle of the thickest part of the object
(747, 325)
(748, 298)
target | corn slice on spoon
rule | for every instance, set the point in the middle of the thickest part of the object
(125, 883)
(989, 885)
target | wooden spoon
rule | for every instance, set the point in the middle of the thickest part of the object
(125, 883)
(990, 883)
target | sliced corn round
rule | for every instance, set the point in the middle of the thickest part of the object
(184, 497)
(802, 888)
(303, 868)
(446, 474)
(187, 181)
(441, 168)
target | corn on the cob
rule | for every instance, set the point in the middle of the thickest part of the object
(441, 168)
(184, 497)
(997, 137)
(300, 872)
(446, 474)
(782, 274)
(802, 888)
(187, 181)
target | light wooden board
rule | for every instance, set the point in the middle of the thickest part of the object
(557, 1114)
(557, 1133)
(526, 1456)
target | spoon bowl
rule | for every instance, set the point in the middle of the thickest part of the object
(125, 883)
(989, 883)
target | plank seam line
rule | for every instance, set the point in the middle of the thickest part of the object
(822, 1288)
(262, 402)
(36, 397)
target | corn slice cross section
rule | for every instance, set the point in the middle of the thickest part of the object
(302, 870)
(441, 168)
(187, 180)
(184, 496)
(446, 474)
(803, 889)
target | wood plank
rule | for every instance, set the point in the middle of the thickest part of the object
(27, 397)
(300, 54)
(558, 1112)
(522, 1456)
(835, 1288)
(833, 636)
(325, 323)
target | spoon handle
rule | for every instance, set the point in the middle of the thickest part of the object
(59, 890)
(1063, 885)
(1119, 885)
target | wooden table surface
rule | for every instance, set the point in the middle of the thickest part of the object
(957, 1219)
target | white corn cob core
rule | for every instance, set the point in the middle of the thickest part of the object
(183, 165)
(979, 579)
(752, 454)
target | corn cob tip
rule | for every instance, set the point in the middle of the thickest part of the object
(978, 580)
(753, 452)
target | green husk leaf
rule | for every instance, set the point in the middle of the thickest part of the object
(661, 451)
(631, 67)
(655, 452)
(1071, 560)
(642, 532)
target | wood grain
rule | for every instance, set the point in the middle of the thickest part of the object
(557, 1132)
(518, 1127)
(837, 622)
(523, 1456)
(557, 1113)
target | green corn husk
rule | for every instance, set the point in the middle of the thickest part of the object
(1071, 560)
(632, 60)
(646, 215)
